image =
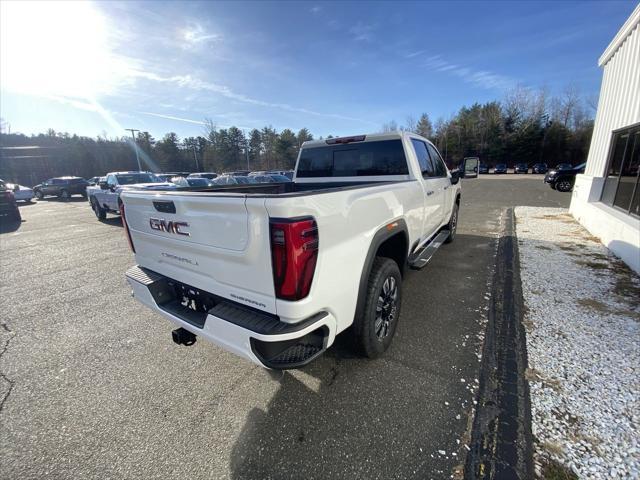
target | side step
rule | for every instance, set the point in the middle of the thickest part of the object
(419, 261)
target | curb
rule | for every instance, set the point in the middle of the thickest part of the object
(501, 440)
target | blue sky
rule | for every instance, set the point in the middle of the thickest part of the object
(335, 68)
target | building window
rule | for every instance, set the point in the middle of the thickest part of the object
(621, 188)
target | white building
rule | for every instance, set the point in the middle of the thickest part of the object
(606, 199)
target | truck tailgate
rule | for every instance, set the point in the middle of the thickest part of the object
(219, 244)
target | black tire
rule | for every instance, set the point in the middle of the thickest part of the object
(564, 185)
(452, 226)
(38, 194)
(64, 195)
(373, 330)
(101, 214)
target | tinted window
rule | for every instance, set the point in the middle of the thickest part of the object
(426, 167)
(441, 170)
(384, 157)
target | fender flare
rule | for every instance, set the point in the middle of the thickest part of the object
(379, 238)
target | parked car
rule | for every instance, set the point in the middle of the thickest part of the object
(61, 187)
(563, 180)
(287, 273)
(540, 168)
(238, 173)
(500, 168)
(209, 175)
(483, 168)
(257, 173)
(8, 206)
(521, 168)
(564, 166)
(93, 181)
(191, 182)
(20, 192)
(286, 173)
(105, 197)
(227, 179)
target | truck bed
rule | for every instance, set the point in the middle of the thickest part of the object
(291, 189)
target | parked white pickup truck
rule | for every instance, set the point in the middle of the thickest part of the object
(105, 196)
(273, 272)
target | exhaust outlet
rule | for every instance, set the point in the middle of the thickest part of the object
(181, 336)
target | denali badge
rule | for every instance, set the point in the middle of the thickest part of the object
(169, 227)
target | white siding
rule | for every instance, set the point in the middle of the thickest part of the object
(619, 104)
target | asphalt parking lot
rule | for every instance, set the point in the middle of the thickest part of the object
(93, 387)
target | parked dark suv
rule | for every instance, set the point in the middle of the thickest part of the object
(62, 187)
(500, 168)
(540, 168)
(563, 180)
(8, 205)
(521, 168)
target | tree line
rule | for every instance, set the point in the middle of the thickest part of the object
(526, 126)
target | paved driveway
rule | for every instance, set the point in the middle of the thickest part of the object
(93, 386)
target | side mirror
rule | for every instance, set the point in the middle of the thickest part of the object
(455, 176)
(470, 167)
(104, 185)
(16, 187)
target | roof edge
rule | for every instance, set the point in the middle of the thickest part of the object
(631, 23)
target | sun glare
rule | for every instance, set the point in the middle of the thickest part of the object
(56, 49)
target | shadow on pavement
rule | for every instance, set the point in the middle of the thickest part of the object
(8, 226)
(344, 416)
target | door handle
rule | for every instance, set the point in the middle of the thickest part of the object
(430, 192)
(446, 187)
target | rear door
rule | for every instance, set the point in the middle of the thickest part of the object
(433, 191)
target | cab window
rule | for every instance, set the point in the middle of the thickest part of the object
(426, 167)
(438, 164)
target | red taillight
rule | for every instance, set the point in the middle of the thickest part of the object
(126, 227)
(294, 252)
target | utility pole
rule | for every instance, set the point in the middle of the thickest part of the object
(195, 157)
(135, 145)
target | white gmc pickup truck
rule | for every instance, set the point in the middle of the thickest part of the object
(273, 272)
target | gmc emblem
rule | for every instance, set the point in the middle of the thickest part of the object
(170, 227)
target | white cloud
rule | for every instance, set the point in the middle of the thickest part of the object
(481, 78)
(196, 35)
(362, 32)
(171, 117)
(187, 81)
(316, 9)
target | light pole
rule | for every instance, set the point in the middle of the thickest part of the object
(195, 157)
(135, 145)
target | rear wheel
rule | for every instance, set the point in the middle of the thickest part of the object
(564, 185)
(39, 195)
(374, 328)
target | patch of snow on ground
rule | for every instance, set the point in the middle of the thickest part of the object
(583, 341)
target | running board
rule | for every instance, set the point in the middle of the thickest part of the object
(419, 261)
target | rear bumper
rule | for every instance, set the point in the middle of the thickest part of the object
(256, 336)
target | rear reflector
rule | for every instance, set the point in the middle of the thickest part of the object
(294, 252)
(126, 227)
(334, 141)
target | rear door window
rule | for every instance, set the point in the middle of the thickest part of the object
(385, 157)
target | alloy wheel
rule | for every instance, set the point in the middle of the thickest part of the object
(386, 308)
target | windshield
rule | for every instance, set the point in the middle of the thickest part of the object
(132, 178)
